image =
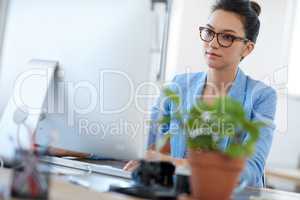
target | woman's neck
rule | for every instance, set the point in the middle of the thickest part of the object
(221, 79)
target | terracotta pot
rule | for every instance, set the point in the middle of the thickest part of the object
(214, 175)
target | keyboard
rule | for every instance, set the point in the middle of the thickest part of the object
(95, 168)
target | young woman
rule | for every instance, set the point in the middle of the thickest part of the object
(229, 37)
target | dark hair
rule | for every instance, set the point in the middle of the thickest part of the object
(248, 10)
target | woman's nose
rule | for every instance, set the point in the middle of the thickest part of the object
(214, 43)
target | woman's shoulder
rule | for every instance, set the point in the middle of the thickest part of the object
(261, 93)
(259, 87)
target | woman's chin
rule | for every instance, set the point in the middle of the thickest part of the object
(213, 63)
(214, 66)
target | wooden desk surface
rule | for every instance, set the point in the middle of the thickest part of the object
(292, 175)
(61, 189)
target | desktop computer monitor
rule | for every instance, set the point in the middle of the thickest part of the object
(108, 54)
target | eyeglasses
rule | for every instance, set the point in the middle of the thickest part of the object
(224, 39)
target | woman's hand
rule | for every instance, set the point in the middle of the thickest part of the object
(152, 155)
(131, 165)
(149, 156)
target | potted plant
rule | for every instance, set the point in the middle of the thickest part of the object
(214, 171)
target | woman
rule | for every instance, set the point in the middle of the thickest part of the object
(229, 37)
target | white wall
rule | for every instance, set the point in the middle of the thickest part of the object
(185, 45)
(3, 11)
(286, 150)
(268, 62)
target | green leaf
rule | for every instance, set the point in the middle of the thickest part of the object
(172, 96)
(235, 151)
(249, 148)
(165, 119)
(252, 129)
(203, 142)
(226, 117)
(229, 106)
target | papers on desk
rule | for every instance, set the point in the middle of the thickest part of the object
(57, 170)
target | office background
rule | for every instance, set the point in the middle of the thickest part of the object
(271, 62)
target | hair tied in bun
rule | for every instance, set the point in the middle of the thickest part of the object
(256, 7)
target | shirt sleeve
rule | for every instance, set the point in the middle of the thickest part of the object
(264, 110)
(162, 108)
(159, 110)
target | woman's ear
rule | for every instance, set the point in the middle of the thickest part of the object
(248, 49)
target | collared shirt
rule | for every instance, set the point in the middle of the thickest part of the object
(258, 99)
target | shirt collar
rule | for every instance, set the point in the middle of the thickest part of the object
(236, 91)
(238, 87)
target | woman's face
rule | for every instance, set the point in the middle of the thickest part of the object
(218, 57)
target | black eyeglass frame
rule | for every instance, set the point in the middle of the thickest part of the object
(234, 38)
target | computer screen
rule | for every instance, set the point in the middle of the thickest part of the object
(108, 54)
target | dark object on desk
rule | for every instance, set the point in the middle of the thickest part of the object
(28, 181)
(182, 184)
(154, 192)
(153, 180)
(151, 173)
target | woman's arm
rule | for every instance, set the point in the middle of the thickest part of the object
(264, 110)
(153, 155)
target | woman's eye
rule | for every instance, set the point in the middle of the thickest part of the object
(209, 33)
(227, 37)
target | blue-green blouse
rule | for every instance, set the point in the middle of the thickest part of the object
(258, 99)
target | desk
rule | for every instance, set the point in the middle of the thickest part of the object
(62, 189)
(292, 175)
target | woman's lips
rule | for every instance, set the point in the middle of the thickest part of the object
(212, 55)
